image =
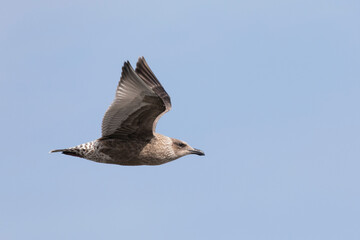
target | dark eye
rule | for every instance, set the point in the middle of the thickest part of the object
(181, 145)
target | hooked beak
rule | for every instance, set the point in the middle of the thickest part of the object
(197, 152)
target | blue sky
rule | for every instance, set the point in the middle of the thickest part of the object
(268, 89)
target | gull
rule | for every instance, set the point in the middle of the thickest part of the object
(128, 127)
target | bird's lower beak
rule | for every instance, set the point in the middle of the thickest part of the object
(197, 152)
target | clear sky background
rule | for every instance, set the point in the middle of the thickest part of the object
(270, 90)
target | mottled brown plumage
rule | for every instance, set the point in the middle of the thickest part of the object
(128, 127)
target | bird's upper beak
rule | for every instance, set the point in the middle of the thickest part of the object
(197, 152)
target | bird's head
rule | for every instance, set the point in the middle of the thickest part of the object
(181, 149)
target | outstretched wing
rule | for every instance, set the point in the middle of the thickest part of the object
(139, 102)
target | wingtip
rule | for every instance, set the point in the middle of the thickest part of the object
(140, 61)
(127, 64)
(126, 68)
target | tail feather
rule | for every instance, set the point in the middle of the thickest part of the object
(82, 150)
(72, 152)
(69, 151)
(57, 150)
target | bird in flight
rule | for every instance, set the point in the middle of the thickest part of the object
(128, 127)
